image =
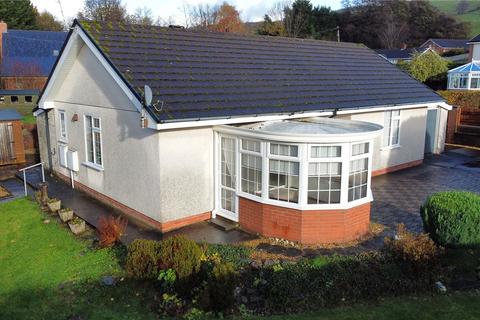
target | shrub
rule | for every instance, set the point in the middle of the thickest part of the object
(143, 258)
(110, 229)
(306, 286)
(180, 254)
(219, 285)
(236, 254)
(418, 251)
(452, 218)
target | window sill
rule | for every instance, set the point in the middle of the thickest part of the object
(397, 146)
(63, 141)
(93, 166)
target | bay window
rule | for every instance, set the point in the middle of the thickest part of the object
(358, 173)
(475, 80)
(93, 139)
(324, 175)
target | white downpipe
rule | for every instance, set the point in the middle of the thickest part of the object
(72, 180)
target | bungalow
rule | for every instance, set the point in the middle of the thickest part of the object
(442, 46)
(280, 135)
(401, 55)
(467, 76)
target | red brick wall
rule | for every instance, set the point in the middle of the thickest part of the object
(305, 226)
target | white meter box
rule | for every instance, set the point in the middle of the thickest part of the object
(72, 160)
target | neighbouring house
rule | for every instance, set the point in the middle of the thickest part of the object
(11, 138)
(27, 57)
(280, 135)
(398, 55)
(467, 76)
(443, 46)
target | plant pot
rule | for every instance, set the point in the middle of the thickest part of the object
(77, 227)
(65, 214)
(54, 206)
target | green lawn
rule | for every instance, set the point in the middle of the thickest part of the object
(472, 16)
(47, 273)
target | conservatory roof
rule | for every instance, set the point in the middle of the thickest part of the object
(314, 129)
(473, 66)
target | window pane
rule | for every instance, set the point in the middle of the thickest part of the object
(283, 150)
(89, 139)
(96, 123)
(326, 151)
(251, 145)
(360, 148)
(251, 174)
(283, 180)
(98, 149)
(227, 164)
(324, 180)
(358, 179)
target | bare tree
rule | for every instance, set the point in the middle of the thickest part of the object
(297, 18)
(142, 16)
(393, 31)
(277, 11)
(202, 15)
(103, 10)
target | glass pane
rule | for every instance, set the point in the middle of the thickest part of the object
(326, 151)
(313, 183)
(96, 122)
(335, 183)
(360, 148)
(251, 145)
(283, 150)
(323, 197)
(335, 197)
(312, 197)
(98, 148)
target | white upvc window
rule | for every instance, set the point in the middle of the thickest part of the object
(475, 80)
(251, 167)
(324, 175)
(391, 134)
(93, 140)
(458, 81)
(63, 125)
(359, 171)
(284, 172)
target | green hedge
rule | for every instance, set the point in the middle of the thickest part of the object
(462, 98)
(452, 218)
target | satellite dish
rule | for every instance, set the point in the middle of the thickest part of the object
(148, 95)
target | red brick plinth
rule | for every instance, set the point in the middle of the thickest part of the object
(305, 226)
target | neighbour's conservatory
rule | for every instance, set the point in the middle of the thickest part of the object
(304, 180)
(466, 77)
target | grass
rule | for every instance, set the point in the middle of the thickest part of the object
(472, 16)
(47, 273)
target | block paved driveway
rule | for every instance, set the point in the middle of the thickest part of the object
(399, 195)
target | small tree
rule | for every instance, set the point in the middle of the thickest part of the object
(103, 10)
(425, 66)
(228, 20)
(46, 21)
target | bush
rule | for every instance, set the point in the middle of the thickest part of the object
(143, 259)
(217, 293)
(308, 285)
(180, 254)
(238, 255)
(110, 229)
(418, 251)
(452, 218)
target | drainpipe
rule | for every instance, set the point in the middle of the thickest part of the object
(49, 144)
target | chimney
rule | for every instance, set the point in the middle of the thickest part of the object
(3, 29)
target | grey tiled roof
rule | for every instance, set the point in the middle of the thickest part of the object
(201, 75)
(475, 39)
(451, 43)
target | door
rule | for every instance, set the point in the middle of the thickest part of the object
(7, 143)
(228, 200)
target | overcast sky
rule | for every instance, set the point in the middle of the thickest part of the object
(251, 10)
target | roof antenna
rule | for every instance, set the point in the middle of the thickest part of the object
(148, 96)
(61, 11)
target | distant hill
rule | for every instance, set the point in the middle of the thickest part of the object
(471, 16)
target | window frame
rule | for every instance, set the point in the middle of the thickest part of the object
(63, 135)
(341, 159)
(259, 154)
(98, 130)
(297, 159)
(368, 156)
(389, 137)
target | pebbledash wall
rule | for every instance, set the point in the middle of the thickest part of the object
(166, 179)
